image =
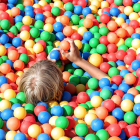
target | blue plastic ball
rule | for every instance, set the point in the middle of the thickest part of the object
(127, 21)
(2, 134)
(14, 106)
(56, 110)
(97, 124)
(87, 35)
(114, 11)
(10, 6)
(29, 13)
(124, 16)
(124, 72)
(54, 54)
(122, 135)
(44, 117)
(22, 13)
(87, 74)
(10, 63)
(109, 88)
(136, 109)
(86, 11)
(43, 136)
(4, 39)
(94, 93)
(135, 64)
(114, 86)
(17, 42)
(57, 26)
(133, 138)
(12, 1)
(68, 13)
(6, 114)
(104, 82)
(20, 136)
(120, 63)
(78, 9)
(66, 96)
(43, 103)
(85, 55)
(29, 7)
(18, 18)
(118, 114)
(135, 36)
(84, 41)
(128, 96)
(39, 16)
(3, 80)
(124, 87)
(59, 36)
(7, 45)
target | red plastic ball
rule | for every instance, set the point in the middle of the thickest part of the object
(47, 8)
(40, 58)
(71, 122)
(22, 50)
(25, 28)
(111, 48)
(70, 133)
(74, 2)
(11, 48)
(131, 52)
(42, 42)
(82, 3)
(122, 124)
(73, 104)
(118, 92)
(138, 120)
(137, 83)
(138, 57)
(3, 7)
(104, 56)
(110, 1)
(103, 40)
(39, 108)
(128, 59)
(66, 1)
(105, 67)
(134, 24)
(10, 35)
(138, 72)
(127, 2)
(112, 57)
(120, 54)
(82, 97)
(106, 9)
(41, 54)
(116, 79)
(113, 5)
(76, 36)
(95, 22)
(104, 18)
(30, 64)
(130, 69)
(4, 15)
(38, 10)
(109, 105)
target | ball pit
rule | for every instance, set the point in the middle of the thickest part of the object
(107, 34)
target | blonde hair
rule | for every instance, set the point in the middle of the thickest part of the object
(42, 82)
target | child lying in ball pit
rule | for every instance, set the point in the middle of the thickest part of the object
(43, 81)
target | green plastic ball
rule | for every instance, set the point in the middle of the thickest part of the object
(24, 58)
(55, 11)
(75, 19)
(136, 7)
(37, 39)
(84, 79)
(74, 79)
(85, 106)
(69, 6)
(123, 47)
(101, 49)
(62, 122)
(89, 104)
(85, 48)
(19, 25)
(128, 42)
(81, 22)
(94, 29)
(89, 91)
(5, 24)
(21, 97)
(81, 129)
(94, 42)
(102, 134)
(49, 110)
(1, 123)
(93, 83)
(48, 49)
(29, 108)
(93, 50)
(112, 63)
(98, 18)
(134, 72)
(49, 43)
(45, 35)
(105, 94)
(69, 68)
(4, 58)
(39, 24)
(91, 137)
(34, 32)
(14, 30)
(118, 2)
(52, 39)
(97, 35)
(58, 63)
(0, 99)
(138, 88)
(130, 117)
(48, 1)
(67, 110)
(113, 71)
(20, 6)
(103, 31)
(1, 61)
(78, 72)
(14, 100)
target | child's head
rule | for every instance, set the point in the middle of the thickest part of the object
(42, 82)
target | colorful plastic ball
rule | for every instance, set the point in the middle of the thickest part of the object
(104, 18)
(135, 64)
(58, 26)
(39, 108)
(20, 113)
(118, 114)
(9, 93)
(80, 112)
(78, 9)
(55, 55)
(101, 49)
(2, 132)
(5, 68)
(135, 43)
(43, 136)
(64, 45)
(4, 39)
(133, 138)
(45, 35)
(5, 24)
(130, 117)
(4, 104)
(82, 97)
(10, 135)
(113, 71)
(57, 133)
(96, 101)
(136, 109)
(17, 42)
(44, 117)
(105, 94)
(39, 16)
(130, 78)
(126, 105)
(24, 35)
(68, 31)
(102, 134)
(6, 114)
(88, 23)
(27, 20)
(55, 11)
(3, 50)
(128, 96)
(34, 130)
(56, 110)
(21, 136)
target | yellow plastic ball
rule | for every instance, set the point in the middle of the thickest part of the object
(138, 51)
(104, 4)
(62, 103)
(81, 30)
(99, 13)
(58, 18)
(30, 51)
(135, 43)
(2, 95)
(79, 121)
(80, 88)
(42, 3)
(24, 35)
(126, 105)
(128, 10)
(80, 112)
(9, 12)
(52, 120)
(138, 21)
(133, 16)
(34, 130)
(89, 118)
(38, 48)
(52, 103)
(93, 8)
(56, 43)
(9, 93)
(96, 3)
(29, 43)
(70, 24)
(48, 27)
(91, 111)
(137, 99)
(20, 113)
(19, 73)
(75, 29)
(57, 133)
(119, 21)
(64, 138)
(113, 18)
(58, 4)
(36, 6)
(78, 43)
(96, 101)
(10, 135)
(95, 59)
(2, 50)
(27, 20)
(4, 104)
(120, 42)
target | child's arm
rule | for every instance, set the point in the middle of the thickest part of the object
(74, 56)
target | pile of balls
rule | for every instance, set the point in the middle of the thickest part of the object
(107, 34)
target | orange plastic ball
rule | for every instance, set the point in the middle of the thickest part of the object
(27, 2)
(130, 78)
(121, 8)
(5, 87)
(11, 77)
(13, 123)
(133, 91)
(112, 37)
(137, 30)
(5, 68)
(117, 100)
(64, 45)
(18, 65)
(101, 113)
(47, 128)
(114, 138)
(77, 138)
(88, 23)
(63, 57)
(13, 55)
(121, 33)
(124, 25)
(18, 80)
(130, 31)
(15, 11)
(121, 67)
(112, 25)
(70, 88)
(50, 20)
(102, 25)
(91, 16)
(68, 31)
(47, 14)
(109, 120)
(66, 76)
(64, 20)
